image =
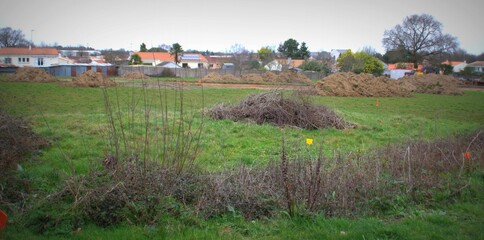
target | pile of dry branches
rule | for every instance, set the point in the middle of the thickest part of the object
(275, 108)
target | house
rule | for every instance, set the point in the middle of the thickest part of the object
(168, 64)
(335, 53)
(273, 66)
(217, 61)
(193, 60)
(187, 60)
(283, 64)
(399, 70)
(458, 66)
(29, 57)
(155, 58)
(478, 66)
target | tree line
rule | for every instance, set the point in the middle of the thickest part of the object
(417, 39)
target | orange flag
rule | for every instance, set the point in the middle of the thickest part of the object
(3, 220)
(377, 102)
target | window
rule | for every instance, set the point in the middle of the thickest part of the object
(23, 59)
(28, 59)
(200, 65)
(185, 65)
(19, 60)
(40, 61)
(8, 61)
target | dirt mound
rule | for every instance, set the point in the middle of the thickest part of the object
(92, 79)
(435, 84)
(134, 75)
(348, 84)
(267, 77)
(252, 77)
(292, 77)
(276, 109)
(218, 78)
(30, 74)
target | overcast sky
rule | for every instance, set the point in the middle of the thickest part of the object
(216, 25)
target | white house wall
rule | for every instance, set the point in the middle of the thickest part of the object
(49, 60)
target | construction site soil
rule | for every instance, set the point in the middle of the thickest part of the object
(134, 75)
(30, 74)
(91, 79)
(367, 85)
(268, 77)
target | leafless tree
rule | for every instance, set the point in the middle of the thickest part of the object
(12, 38)
(421, 36)
(240, 56)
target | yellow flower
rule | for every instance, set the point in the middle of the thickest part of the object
(309, 141)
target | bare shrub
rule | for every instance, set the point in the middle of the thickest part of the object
(30, 74)
(92, 79)
(17, 140)
(346, 184)
(276, 109)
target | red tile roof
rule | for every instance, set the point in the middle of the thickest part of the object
(26, 51)
(162, 56)
(165, 56)
(452, 63)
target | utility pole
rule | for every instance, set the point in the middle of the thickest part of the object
(31, 39)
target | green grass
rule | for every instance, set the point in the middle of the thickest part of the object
(74, 120)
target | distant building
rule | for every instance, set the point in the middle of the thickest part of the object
(458, 66)
(478, 66)
(29, 57)
(187, 60)
(335, 53)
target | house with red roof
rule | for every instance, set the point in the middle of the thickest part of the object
(458, 66)
(187, 60)
(29, 57)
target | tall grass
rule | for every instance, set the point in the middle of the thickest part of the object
(165, 134)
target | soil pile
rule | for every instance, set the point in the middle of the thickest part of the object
(92, 79)
(267, 77)
(349, 84)
(134, 75)
(281, 111)
(30, 74)
(218, 78)
(435, 84)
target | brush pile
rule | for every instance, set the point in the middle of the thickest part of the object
(274, 108)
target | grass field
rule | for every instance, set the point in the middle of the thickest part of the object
(74, 120)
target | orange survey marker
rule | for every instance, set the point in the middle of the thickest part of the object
(3, 221)
(467, 155)
(377, 102)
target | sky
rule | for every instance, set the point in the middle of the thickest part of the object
(217, 25)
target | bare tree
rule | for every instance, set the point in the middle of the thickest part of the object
(240, 55)
(421, 36)
(12, 38)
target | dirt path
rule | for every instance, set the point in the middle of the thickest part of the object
(190, 85)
